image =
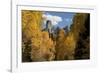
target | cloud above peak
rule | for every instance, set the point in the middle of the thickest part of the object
(54, 19)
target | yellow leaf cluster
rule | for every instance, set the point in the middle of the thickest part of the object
(46, 40)
(65, 46)
(44, 46)
(61, 35)
(31, 22)
(70, 41)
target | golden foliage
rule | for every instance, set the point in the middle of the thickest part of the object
(44, 46)
(70, 41)
(60, 39)
(47, 42)
(31, 23)
(41, 47)
(36, 39)
(66, 46)
(61, 35)
(78, 24)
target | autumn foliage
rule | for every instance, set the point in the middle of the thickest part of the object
(38, 45)
(65, 46)
(42, 48)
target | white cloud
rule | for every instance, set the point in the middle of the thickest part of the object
(54, 19)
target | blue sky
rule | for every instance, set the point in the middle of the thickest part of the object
(63, 18)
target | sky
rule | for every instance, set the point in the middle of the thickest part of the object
(59, 19)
